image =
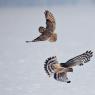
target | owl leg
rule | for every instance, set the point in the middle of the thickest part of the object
(53, 37)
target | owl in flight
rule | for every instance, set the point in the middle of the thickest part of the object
(48, 32)
(59, 70)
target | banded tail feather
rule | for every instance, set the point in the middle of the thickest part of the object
(61, 77)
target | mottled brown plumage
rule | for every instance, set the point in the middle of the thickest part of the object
(48, 32)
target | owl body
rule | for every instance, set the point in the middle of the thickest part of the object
(48, 32)
(60, 70)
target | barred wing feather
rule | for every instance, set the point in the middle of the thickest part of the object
(48, 66)
(80, 59)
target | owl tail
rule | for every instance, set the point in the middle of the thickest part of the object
(53, 37)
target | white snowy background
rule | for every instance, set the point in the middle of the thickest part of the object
(21, 64)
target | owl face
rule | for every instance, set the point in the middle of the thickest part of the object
(41, 29)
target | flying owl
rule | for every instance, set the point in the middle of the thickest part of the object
(59, 70)
(48, 32)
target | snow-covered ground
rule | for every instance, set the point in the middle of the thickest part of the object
(21, 64)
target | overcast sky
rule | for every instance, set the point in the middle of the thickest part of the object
(4, 3)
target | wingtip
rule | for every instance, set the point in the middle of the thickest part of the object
(33, 41)
(89, 51)
(28, 41)
(46, 11)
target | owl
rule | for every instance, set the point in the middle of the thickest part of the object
(59, 70)
(48, 32)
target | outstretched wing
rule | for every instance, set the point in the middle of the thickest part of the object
(51, 66)
(79, 60)
(43, 37)
(50, 21)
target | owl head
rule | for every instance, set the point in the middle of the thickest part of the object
(41, 29)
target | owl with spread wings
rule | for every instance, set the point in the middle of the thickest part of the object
(59, 70)
(48, 32)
